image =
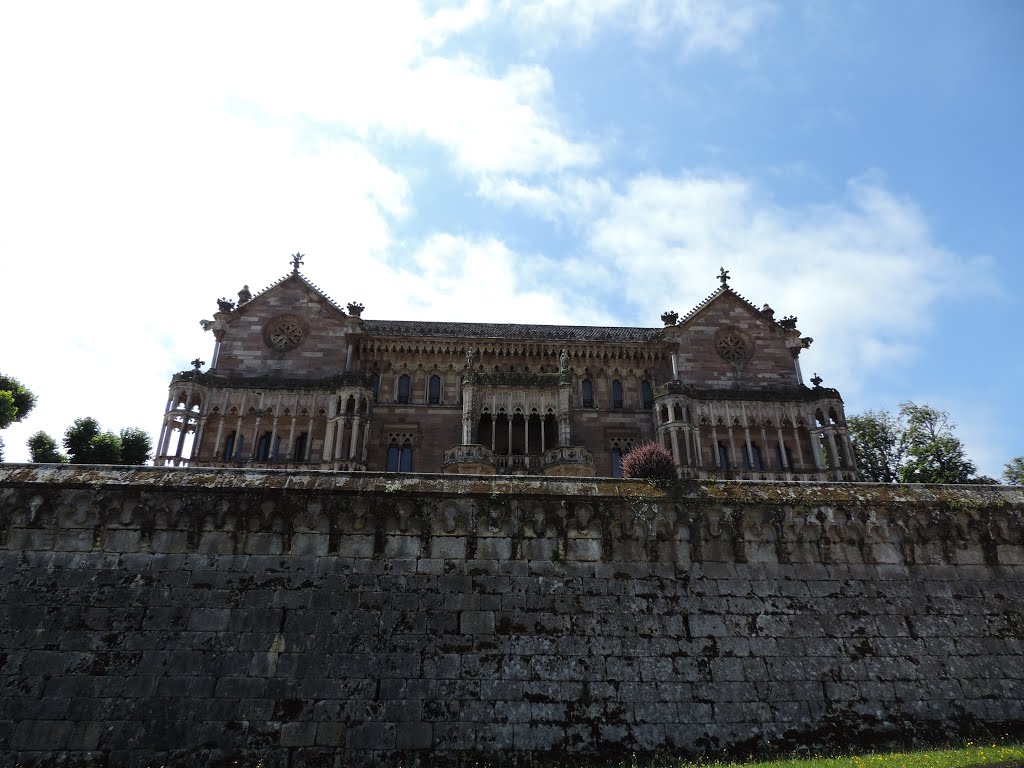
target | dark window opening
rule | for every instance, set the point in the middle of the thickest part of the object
(299, 452)
(752, 457)
(229, 447)
(647, 394)
(616, 463)
(617, 394)
(435, 390)
(588, 393)
(263, 447)
(403, 389)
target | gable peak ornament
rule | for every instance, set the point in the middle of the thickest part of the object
(816, 380)
(723, 276)
(197, 363)
(296, 262)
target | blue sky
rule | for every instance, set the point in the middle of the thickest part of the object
(855, 164)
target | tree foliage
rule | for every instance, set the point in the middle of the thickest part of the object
(43, 449)
(916, 445)
(87, 444)
(649, 461)
(15, 401)
(880, 444)
(1014, 471)
(136, 446)
(934, 453)
(78, 440)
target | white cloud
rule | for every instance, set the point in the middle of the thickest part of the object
(700, 26)
(573, 198)
(863, 274)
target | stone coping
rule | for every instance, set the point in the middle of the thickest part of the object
(1009, 499)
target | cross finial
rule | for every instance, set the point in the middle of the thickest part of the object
(197, 363)
(296, 262)
(816, 381)
(723, 276)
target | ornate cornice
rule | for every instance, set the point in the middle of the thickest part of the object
(773, 394)
(327, 384)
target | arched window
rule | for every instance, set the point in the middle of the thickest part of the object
(621, 446)
(263, 447)
(616, 462)
(229, 447)
(788, 455)
(434, 396)
(403, 389)
(723, 456)
(375, 384)
(588, 393)
(647, 394)
(752, 457)
(400, 456)
(299, 451)
(616, 393)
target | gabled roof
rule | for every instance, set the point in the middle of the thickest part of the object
(293, 276)
(724, 291)
(509, 331)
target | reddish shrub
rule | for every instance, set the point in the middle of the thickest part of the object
(649, 462)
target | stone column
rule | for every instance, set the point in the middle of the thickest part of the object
(291, 439)
(197, 440)
(332, 426)
(366, 441)
(218, 440)
(355, 437)
(782, 447)
(675, 446)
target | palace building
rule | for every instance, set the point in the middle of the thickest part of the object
(297, 381)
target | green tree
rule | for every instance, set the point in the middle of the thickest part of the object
(15, 401)
(880, 444)
(136, 446)
(87, 444)
(934, 453)
(1014, 471)
(43, 449)
(105, 448)
(78, 440)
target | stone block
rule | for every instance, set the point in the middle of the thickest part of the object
(448, 547)
(414, 736)
(477, 622)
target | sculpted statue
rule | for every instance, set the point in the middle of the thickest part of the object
(563, 362)
(470, 358)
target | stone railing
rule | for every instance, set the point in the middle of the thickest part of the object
(568, 461)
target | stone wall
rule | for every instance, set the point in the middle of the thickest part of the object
(186, 617)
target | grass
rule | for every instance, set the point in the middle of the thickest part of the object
(968, 755)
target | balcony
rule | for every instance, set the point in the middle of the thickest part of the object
(571, 461)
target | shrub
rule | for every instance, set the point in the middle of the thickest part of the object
(649, 462)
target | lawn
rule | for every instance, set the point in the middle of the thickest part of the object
(968, 755)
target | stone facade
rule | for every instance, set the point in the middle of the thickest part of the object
(297, 381)
(181, 617)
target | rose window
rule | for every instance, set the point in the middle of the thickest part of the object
(734, 347)
(284, 333)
